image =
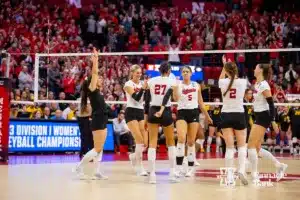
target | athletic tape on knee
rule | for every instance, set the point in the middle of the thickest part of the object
(191, 153)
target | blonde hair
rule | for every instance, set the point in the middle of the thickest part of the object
(133, 68)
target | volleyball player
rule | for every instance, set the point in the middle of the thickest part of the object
(134, 116)
(284, 121)
(214, 129)
(91, 89)
(264, 110)
(248, 111)
(295, 127)
(86, 136)
(158, 89)
(189, 98)
(233, 119)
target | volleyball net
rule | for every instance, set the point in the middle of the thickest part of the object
(54, 72)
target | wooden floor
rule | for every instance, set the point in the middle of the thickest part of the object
(55, 181)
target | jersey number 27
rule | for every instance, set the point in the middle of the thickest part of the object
(160, 89)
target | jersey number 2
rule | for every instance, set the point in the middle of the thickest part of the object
(160, 89)
(232, 93)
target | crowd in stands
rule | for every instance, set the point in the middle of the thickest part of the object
(27, 28)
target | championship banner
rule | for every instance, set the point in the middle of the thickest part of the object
(49, 136)
(5, 86)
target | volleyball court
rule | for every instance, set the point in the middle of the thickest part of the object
(206, 66)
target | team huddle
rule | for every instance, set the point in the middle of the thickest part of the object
(149, 107)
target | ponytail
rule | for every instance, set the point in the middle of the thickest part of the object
(84, 95)
(230, 84)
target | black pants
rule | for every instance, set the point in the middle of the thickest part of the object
(86, 135)
(124, 138)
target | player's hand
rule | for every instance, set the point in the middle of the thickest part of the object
(145, 84)
(224, 59)
(158, 114)
(209, 120)
(95, 56)
(275, 127)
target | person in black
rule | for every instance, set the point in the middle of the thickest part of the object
(91, 90)
(215, 114)
(284, 122)
(86, 136)
(249, 114)
(294, 114)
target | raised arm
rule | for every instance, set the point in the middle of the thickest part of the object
(95, 70)
(222, 75)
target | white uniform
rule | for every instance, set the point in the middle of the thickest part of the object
(188, 95)
(158, 88)
(131, 103)
(233, 101)
(260, 103)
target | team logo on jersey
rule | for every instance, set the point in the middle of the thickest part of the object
(187, 91)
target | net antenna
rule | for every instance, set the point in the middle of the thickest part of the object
(38, 55)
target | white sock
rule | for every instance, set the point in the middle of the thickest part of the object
(139, 154)
(218, 141)
(172, 157)
(180, 149)
(200, 142)
(151, 159)
(229, 156)
(97, 162)
(92, 154)
(253, 158)
(209, 140)
(281, 143)
(291, 146)
(266, 154)
(242, 156)
(191, 155)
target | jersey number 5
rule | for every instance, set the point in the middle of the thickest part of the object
(190, 97)
(232, 93)
(160, 89)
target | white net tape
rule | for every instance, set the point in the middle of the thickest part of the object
(124, 102)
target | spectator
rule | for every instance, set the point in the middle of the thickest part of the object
(91, 29)
(291, 75)
(47, 113)
(121, 132)
(25, 79)
(155, 35)
(54, 79)
(58, 115)
(70, 112)
(68, 83)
